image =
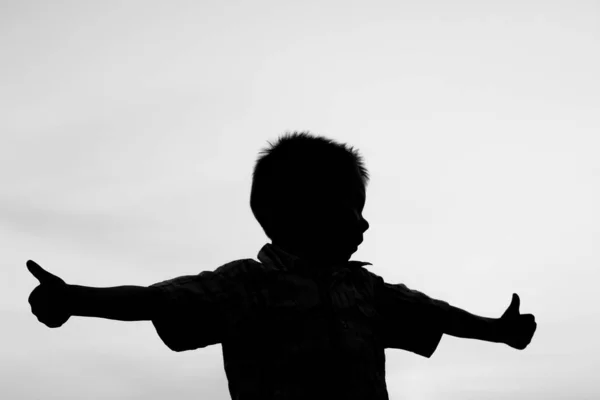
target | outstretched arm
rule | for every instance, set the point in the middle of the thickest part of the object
(460, 323)
(122, 303)
(512, 328)
(53, 301)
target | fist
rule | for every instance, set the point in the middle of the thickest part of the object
(49, 299)
(516, 329)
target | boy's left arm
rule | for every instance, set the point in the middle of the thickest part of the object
(512, 328)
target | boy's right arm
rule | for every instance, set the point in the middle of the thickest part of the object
(122, 303)
(54, 301)
(188, 312)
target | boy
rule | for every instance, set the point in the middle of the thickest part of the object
(303, 322)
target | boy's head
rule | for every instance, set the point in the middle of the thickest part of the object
(308, 193)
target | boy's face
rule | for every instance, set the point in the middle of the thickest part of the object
(331, 229)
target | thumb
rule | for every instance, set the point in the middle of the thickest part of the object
(41, 274)
(513, 308)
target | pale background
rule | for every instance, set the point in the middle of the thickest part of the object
(129, 131)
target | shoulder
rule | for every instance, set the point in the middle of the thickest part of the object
(367, 279)
(378, 281)
(363, 273)
(377, 284)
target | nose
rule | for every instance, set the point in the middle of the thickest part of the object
(359, 223)
(364, 225)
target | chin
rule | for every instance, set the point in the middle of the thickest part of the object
(345, 254)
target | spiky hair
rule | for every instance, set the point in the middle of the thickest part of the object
(294, 169)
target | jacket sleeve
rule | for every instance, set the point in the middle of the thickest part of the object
(411, 320)
(198, 310)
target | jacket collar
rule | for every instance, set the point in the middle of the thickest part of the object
(274, 256)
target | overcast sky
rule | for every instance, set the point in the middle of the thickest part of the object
(129, 131)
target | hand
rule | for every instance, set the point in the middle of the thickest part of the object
(49, 299)
(515, 329)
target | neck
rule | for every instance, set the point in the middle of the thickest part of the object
(314, 258)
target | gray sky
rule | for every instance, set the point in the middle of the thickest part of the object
(129, 132)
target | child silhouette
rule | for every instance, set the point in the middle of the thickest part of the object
(302, 322)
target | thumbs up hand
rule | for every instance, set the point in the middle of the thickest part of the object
(516, 329)
(49, 299)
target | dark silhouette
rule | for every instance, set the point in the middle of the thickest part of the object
(303, 322)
